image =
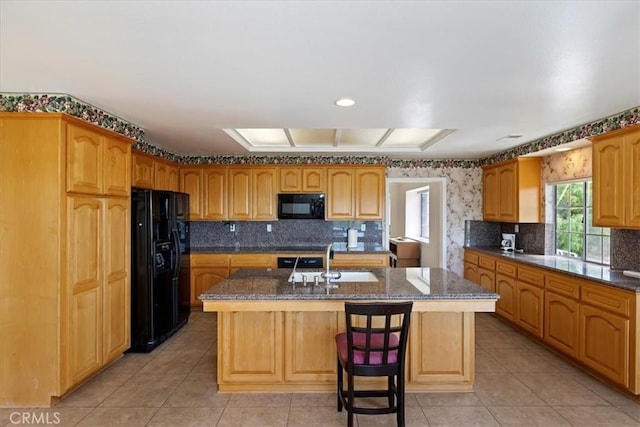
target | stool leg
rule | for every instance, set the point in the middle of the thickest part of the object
(351, 399)
(390, 390)
(340, 385)
(400, 408)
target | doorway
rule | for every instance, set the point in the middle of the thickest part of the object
(416, 208)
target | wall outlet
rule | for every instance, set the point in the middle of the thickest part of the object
(268, 228)
(516, 228)
(232, 227)
(363, 227)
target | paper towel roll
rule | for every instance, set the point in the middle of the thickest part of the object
(352, 238)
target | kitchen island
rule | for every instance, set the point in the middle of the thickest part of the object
(277, 336)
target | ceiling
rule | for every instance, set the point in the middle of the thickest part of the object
(187, 70)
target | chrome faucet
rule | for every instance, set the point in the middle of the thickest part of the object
(328, 275)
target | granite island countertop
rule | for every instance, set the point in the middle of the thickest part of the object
(393, 284)
(578, 268)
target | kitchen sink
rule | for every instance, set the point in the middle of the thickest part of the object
(346, 276)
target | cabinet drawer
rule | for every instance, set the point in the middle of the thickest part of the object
(532, 276)
(607, 298)
(360, 260)
(251, 261)
(506, 268)
(487, 262)
(563, 285)
(209, 260)
(471, 257)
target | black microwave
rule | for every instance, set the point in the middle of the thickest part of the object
(300, 206)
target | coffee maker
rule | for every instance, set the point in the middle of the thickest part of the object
(508, 243)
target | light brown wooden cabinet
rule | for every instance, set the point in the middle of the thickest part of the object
(511, 190)
(78, 231)
(215, 193)
(207, 270)
(191, 182)
(143, 170)
(616, 179)
(355, 193)
(360, 260)
(166, 176)
(507, 288)
(302, 179)
(561, 323)
(470, 272)
(252, 193)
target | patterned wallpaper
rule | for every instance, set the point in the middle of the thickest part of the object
(464, 202)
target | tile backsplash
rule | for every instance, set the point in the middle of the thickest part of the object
(288, 232)
(625, 249)
(533, 238)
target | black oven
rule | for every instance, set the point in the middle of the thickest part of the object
(300, 206)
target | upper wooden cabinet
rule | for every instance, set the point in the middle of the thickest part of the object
(616, 179)
(166, 176)
(355, 193)
(511, 191)
(302, 179)
(191, 183)
(215, 193)
(142, 172)
(252, 193)
(97, 163)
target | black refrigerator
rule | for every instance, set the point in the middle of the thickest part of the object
(160, 288)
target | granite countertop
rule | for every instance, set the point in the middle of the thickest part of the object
(338, 247)
(578, 268)
(393, 284)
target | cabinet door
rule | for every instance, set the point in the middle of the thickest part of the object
(191, 183)
(632, 177)
(506, 305)
(84, 160)
(307, 358)
(604, 344)
(215, 193)
(490, 194)
(369, 194)
(561, 318)
(487, 279)
(202, 278)
(239, 200)
(116, 308)
(340, 195)
(508, 192)
(117, 168)
(313, 180)
(529, 312)
(608, 183)
(290, 179)
(360, 260)
(84, 275)
(264, 194)
(471, 272)
(173, 178)
(143, 171)
(251, 347)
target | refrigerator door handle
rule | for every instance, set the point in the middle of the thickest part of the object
(176, 243)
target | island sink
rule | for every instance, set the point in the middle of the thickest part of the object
(346, 276)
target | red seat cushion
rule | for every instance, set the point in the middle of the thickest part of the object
(359, 338)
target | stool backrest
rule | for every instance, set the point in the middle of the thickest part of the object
(374, 343)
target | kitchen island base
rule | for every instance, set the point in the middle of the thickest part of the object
(288, 346)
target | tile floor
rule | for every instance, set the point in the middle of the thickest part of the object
(518, 383)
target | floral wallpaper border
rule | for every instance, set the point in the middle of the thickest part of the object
(63, 103)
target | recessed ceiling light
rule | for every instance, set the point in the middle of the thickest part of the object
(345, 102)
(563, 149)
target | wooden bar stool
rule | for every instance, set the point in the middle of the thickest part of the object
(373, 350)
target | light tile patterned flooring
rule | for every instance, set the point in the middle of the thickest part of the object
(518, 383)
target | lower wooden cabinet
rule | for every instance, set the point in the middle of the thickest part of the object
(604, 344)
(561, 323)
(471, 272)
(486, 279)
(360, 260)
(207, 270)
(506, 306)
(529, 308)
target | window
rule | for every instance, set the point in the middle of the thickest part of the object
(575, 234)
(424, 214)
